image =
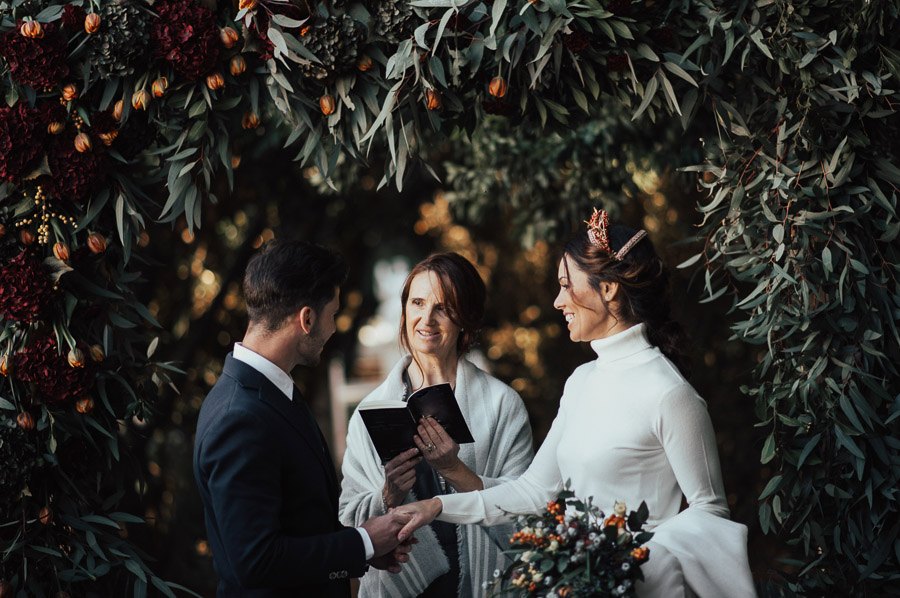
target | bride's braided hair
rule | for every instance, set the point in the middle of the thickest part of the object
(643, 279)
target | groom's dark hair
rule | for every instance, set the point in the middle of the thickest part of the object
(287, 275)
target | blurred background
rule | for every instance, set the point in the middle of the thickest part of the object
(504, 199)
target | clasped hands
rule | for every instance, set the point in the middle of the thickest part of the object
(392, 534)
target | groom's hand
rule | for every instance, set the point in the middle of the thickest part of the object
(391, 562)
(383, 531)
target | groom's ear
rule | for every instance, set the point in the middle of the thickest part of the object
(305, 319)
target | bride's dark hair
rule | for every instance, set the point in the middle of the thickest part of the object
(643, 279)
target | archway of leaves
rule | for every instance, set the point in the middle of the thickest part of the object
(108, 102)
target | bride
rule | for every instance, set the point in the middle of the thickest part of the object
(629, 426)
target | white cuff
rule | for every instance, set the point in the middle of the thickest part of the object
(367, 542)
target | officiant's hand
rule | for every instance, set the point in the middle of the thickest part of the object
(399, 477)
(391, 562)
(418, 513)
(438, 448)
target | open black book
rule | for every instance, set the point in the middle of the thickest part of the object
(392, 424)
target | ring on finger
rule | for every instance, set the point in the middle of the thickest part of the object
(430, 447)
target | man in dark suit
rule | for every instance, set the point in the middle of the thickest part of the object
(266, 478)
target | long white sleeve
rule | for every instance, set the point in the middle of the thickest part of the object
(527, 494)
(686, 434)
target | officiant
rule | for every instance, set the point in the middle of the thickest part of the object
(442, 309)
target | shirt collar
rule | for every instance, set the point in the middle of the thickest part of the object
(272, 372)
(621, 345)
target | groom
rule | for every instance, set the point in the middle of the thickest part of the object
(268, 485)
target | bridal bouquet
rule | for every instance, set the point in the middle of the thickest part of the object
(573, 549)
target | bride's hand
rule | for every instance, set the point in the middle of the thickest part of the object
(420, 513)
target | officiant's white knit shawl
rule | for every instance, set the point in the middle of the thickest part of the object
(502, 450)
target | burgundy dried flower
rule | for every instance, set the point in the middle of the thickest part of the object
(103, 122)
(54, 379)
(74, 174)
(616, 63)
(22, 136)
(577, 42)
(25, 289)
(186, 36)
(73, 17)
(51, 111)
(39, 63)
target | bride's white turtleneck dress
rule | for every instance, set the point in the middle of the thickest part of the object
(631, 428)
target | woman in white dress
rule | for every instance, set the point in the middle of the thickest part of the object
(629, 426)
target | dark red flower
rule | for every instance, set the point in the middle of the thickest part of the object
(75, 175)
(103, 122)
(51, 111)
(25, 289)
(54, 379)
(73, 17)
(22, 136)
(616, 63)
(37, 62)
(577, 42)
(186, 36)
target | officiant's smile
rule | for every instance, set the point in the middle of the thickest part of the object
(430, 330)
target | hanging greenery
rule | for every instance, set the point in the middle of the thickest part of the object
(117, 115)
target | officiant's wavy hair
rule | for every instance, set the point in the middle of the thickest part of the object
(463, 291)
(287, 275)
(644, 293)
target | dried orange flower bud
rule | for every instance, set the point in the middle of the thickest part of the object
(97, 353)
(432, 99)
(109, 137)
(69, 92)
(250, 120)
(25, 421)
(76, 358)
(238, 65)
(4, 365)
(85, 405)
(83, 142)
(92, 23)
(26, 236)
(497, 87)
(247, 4)
(326, 104)
(96, 243)
(235, 161)
(61, 251)
(45, 515)
(228, 36)
(32, 29)
(140, 99)
(55, 128)
(215, 81)
(118, 108)
(159, 87)
(365, 64)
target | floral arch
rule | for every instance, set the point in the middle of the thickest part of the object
(111, 105)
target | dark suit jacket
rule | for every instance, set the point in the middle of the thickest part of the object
(270, 493)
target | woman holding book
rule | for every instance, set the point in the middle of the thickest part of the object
(443, 305)
(629, 427)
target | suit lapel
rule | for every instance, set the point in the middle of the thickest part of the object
(295, 411)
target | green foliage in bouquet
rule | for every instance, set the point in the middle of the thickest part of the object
(574, 549)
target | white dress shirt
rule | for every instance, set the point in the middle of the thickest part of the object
(285, 384)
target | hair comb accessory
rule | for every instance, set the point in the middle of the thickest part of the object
(598, 233)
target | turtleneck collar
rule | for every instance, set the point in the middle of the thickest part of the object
(621, 345)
